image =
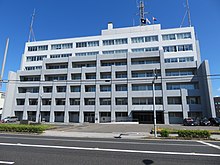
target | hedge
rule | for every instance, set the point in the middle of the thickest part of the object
(23, 128)
(164, 133)
(194, 133)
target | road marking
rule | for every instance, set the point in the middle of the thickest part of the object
(209, 144)
(110, 142)
(4, 162)
(109, 150)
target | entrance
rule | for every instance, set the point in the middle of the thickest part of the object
(89, 117)
(148, 117)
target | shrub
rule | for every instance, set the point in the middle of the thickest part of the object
(23, 128)
(194, 133)
(164, 133)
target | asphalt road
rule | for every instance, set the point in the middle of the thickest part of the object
(38, 150)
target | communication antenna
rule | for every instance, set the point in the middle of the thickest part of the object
(187, 13)
(142, 14)
(31, 32)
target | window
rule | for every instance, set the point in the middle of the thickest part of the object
(76, 76)
(46, 101)
(115, 42)
(84, 64)
(170, 49)
(37, 48)
(121, 87)
(113, 62)
(33, 101)
(105, 75)
(28, 68)
(105, 88)
(87, 44)
(48, 89)
(90, 88)
(138, 61)
(150, 49)
(60, 101)
(55, 77)
(142, 101)
(177, 86)
(105, 101)
(87, 54)
(29, 78)
(174, 100)
(61, 46)
(121, 101)
(193, 100)
(115, 51)
(74, 101)
(169, 37)
(144, 87)
(35, 58)
(151, 38)
(184, 35)
(57, 66)
(28, 89)
(89, 101)
(185, 47)
(137, 39)
(75, 88)
(90, 76)
(20, 101)
(61, 89)
(182, 72)
(60, 55)
(121, 74)
(137, 74)
(93, 43)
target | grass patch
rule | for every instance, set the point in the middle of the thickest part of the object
(23, 128)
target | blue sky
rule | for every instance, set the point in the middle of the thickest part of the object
(73, 18)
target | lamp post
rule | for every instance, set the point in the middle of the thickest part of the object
(154, 102)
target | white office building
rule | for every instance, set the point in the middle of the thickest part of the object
(108, 78)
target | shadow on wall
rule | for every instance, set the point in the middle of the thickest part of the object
(148, 162)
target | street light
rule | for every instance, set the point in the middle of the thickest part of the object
(39, 116)
(154, 102)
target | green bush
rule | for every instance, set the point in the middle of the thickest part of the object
(22, 128)
(194, 133)
(164, 133)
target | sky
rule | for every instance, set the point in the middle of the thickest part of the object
(57, 19)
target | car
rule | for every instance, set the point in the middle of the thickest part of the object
(190, 122)
(215, 121)
(205, 122)
(10, 119)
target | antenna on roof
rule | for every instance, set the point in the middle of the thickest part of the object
(187, 13)
(141, 13)
(31, 32)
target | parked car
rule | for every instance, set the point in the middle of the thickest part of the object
(215, 121)
(10, 119)
(205, 122)
(190, 122)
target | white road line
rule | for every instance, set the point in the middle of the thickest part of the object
(4, 162)
(110, 142)
(110, 150)
(209, 144)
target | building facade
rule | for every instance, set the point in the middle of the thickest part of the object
(217, 106)
(108, 78)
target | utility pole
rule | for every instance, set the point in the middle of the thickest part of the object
(31, 36)
(154, 102)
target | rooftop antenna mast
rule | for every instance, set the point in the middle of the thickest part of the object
(31, 32)
(187, 13)
(142, 14)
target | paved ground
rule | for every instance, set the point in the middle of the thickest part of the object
(129, 131)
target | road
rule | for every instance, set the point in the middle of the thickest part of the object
(38, 150)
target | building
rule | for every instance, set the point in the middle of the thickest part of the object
(217, 106)
(108, 78)
(2, 99)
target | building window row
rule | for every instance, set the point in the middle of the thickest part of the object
(137, 61)
(115, 51)
(181, 72)
(57, 66)
(29, 68)
(35, 58)
(144, 39)
(83, 64)
(178, 86)
(87, 54)
(146, 100)
(150, 49)
(138, 74)
(180, 59)
(113, 62)
(37, 48)
(115, 41)
(60, 55)
(178, 48)
(145, 87)
(61, 46)
(87, 44)
(176, 36)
